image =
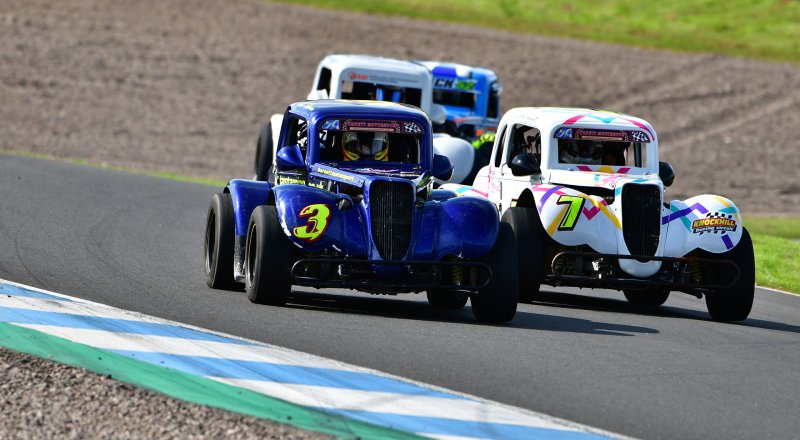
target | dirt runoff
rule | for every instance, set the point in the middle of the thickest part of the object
(183, 86)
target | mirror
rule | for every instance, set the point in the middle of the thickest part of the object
(442, 167)
(525, 164)
(290, 158)
(438, 114)
(666, 173)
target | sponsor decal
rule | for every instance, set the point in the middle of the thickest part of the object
(367, 125)
(336, 174)
(714, 223)
(564, 133)
(454, 83)
(600, 135)
(331, 124)
(287, 179)
(318, 215)
(355, 76)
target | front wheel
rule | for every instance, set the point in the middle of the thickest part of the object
(497, 302)
(267, 257)
(649, 297)
(735, 302)
(529, 247)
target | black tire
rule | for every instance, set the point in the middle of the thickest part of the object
(218, 247)
(530, 246)
(447, 299)
(497, 302)
(734, 303)
(648, 297)
(263, 162)
(267, 258)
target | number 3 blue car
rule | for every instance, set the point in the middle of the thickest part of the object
(350, 203)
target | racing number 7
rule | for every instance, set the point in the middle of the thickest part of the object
(572, 213)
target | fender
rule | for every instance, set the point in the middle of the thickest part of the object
(246, 195)
(467, 227)
(312, 220)
(708, 222)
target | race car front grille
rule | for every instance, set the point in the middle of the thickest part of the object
(641, 218)
(390, 206)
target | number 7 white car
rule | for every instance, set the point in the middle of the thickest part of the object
(584, 192)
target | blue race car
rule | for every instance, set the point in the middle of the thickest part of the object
(471, 96)
(353, 206)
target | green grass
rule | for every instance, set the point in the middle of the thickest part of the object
(776, 242)
(765, 29)
(161, 174)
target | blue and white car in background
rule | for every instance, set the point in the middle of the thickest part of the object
(471, 96)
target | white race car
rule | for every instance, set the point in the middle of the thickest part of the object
(584, 192)
(364, 77)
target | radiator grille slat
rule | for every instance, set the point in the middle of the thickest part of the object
(641, 218)
(391, 205)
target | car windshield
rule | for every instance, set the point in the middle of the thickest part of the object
(454, 98)
(381, 92)
(600, 147)
(348, 140)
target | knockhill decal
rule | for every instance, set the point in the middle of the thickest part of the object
(318, 215)
(715, 222)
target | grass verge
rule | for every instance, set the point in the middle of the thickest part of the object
(776, 242)
(765, 29)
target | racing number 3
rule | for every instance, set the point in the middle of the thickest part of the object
(573, 212)
(318, 215)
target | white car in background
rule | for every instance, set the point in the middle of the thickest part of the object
(364, 77)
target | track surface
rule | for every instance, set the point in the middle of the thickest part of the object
(136, 242)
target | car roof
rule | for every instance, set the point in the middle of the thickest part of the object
(546, 118)
(341, 61)
(441, 68)
(324, 108)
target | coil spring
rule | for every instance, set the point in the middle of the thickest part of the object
(563, 266)
(457, 275)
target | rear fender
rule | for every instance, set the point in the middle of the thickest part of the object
(708, 222)
(246, 195)
(313, 221)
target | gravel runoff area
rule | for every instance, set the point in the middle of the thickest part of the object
(183, 86)
(44, 399)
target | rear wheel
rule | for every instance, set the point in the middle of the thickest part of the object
(263, 161)
(268, 259)
(648, 297)
(735, 302)
(218, 246)
(497, 302)
(447, 299)
(529, 236)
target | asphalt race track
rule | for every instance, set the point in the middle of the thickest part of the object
(135, 242)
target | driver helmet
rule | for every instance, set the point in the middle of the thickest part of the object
(365, 145)
(580, 151)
